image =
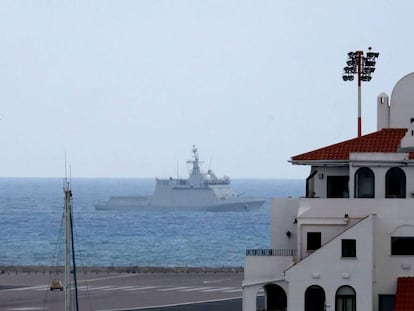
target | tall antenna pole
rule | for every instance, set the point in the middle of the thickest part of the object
(363, 67)
(68, 244)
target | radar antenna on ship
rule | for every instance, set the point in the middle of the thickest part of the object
(195, 162)
(195, 154)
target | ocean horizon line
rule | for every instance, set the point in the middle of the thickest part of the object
(144, 178)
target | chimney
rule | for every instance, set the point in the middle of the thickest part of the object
(383, 111)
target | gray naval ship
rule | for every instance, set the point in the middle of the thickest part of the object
(199, 192)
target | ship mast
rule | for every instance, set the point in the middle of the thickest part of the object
(69, 251)
(68, 244)
(196, 176)
(195, 162)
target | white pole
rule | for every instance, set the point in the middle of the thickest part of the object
(360, 54)
(67, 247)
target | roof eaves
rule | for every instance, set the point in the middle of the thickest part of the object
(320, 162)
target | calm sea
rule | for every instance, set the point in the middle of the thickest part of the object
(31, 227)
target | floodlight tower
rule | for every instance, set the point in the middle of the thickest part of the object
(362, 66)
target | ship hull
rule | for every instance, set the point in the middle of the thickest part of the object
(140, 203)
(199, 192)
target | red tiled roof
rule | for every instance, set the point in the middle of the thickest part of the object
(404, 299)
(386, 140)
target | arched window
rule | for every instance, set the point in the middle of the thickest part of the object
(315, 298)
(364, 183)
(402, 240)
(276, 298)
(345, 299)
(395, 183)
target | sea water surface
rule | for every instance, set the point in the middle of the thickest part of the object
(31, 225)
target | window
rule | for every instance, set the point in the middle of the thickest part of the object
(314, 241)
(315, 298)
(276, 298)
(337, 187)
(395, 183)
(364, 183)
(345, 299)
(348, 248)
(386, 302)
(402, 245)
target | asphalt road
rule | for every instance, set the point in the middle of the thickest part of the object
(123, 291)
(222, 305)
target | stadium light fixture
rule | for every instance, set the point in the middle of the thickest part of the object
(362, 66)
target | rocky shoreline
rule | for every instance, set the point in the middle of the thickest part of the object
(119, 269)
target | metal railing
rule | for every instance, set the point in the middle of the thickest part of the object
(271, 252)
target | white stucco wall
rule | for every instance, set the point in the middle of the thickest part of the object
(320, 179)
(394, 218)
(369, 276)
(384, 161)
(402, 102)
(283, 214)
(260, 270)
(249, 297)
(407, 143)
(328, 270)
(383, 111)
(391, 216)
(327, 232)
(250, 294)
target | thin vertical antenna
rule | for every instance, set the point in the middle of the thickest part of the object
(69, 242)
(66, 168)
(68, 238)
(68, 234)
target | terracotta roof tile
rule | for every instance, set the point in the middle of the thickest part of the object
(386, 140)
(404, 299)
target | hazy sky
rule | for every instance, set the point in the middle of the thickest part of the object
(125, 88)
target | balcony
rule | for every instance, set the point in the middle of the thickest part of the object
(266, 265)
(271, 252)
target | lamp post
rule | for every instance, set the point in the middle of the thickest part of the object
(362, 66)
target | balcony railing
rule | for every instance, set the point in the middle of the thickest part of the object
(271, 252)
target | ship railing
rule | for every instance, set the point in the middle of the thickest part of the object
(271, 252)
(217, 182)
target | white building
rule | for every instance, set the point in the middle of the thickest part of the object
(349, 244)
